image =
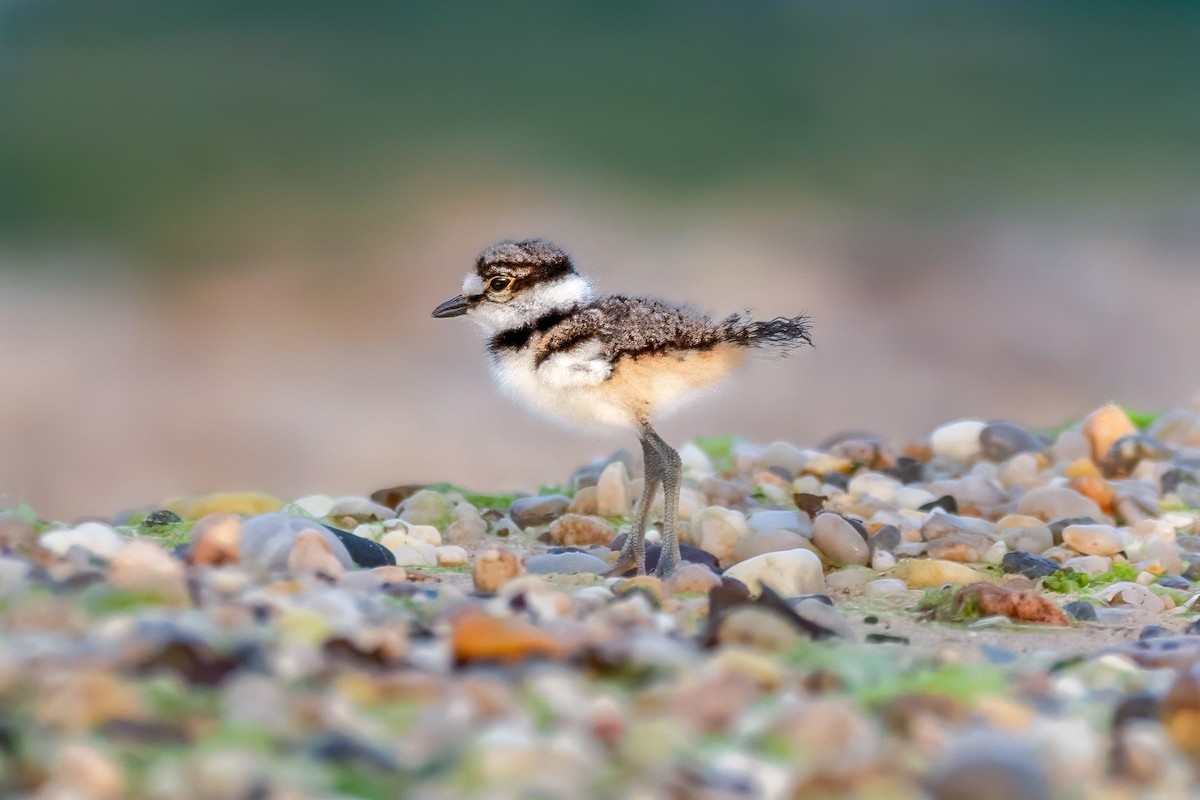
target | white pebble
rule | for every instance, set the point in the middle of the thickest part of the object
(791, 573)
(958, 441)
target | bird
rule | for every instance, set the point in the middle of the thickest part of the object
(608, 360)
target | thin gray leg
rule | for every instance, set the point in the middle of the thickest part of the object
(671, 471)
(633, 555)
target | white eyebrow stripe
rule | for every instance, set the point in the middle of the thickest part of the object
(472, 285)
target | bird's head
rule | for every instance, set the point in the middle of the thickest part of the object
(516, 283)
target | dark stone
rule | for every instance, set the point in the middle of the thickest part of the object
(1175, 582)
(538, 510)
(1155, 632)
(393, 496)
(1028, 564)
(1174, 477)
(687, 554)
(836, 479)
(1192, 573)
(1001, 441)
(907, 470)
(161, 518)
(342, 748)
(1136, 706)
(946, 502)
(1193, 629)
(365, 553)
(1059, 525)
(886, 538)
(870, 619)
(885, 638)
(782, 473)
(1125, 453)
(1081, 610)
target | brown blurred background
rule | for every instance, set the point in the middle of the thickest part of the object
(223, 225)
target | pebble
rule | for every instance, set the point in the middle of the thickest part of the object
(1103, 427)
(886, 538)
(311, 553)
(572, 563)
(1052, 503)
(925, 573)
(449, 555)
(1036, 538)
(216, 540)
(782, 519)
(267, 541)
(612, 491)
(693, 579)
(717, 531)
(427, 507)
(96, 538)
(790, 573)
(1089, 565)
(850, 577)
(244, 503)
(539, 509)
(1081, 610)
(965, 548)
(1028, 564)
(882, 561)
(756, 544)
(957, 441)
(786, 456)
(989, 766)
(1000, 441)
(841, 544)
(941, 524)
(574, 530)
(885, 586)
(360, 508)
(1093, 540)
(494, 567)
(144, 566)
(876, 485)
(1133, 594)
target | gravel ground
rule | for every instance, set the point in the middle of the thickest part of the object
(990, 612)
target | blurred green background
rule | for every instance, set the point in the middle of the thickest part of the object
(222, 224)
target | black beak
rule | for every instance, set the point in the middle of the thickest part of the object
(454, 307)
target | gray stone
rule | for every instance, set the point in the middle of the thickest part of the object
(988, 766)
(570, 563)
(267, 540)
(427, 507)
(539, 510)
(1056, 502)
(886, 538)
(785, 519)
(1001, 441)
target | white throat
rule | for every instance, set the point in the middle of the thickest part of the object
(533, 304)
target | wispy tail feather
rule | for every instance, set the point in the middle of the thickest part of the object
(782, 334)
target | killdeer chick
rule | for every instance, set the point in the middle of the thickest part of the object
(607, 360)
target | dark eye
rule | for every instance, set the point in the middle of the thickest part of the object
(499, 284)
